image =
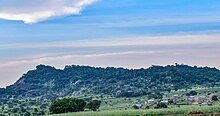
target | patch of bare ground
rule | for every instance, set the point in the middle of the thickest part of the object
(198, 114)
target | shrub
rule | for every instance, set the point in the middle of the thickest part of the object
(193, 93)
(67, 105)
(94, 105)
(161, 105)
(27, 114)
(214, 98)
(136, 107)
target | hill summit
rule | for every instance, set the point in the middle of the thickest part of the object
(47, 81)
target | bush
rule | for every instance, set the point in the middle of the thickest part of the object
(67, 105)
(214, 98)
(27, 114)
(94, 105)
(192, 93)
(161, 105)
(15, 110)
(136, 107)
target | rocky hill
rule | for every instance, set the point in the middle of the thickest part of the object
(47, 81)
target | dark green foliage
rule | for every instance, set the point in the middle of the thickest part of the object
(191, 93)
(147, 107)
(161, 105)
(94, 105)
(155, 95)
(22, 109)
(27, 114)
(15, 110)
(214, 98)
(54, 83)
(136, 107)
(170, 101)
(67, 105)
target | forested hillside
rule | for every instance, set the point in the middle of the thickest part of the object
(47, 81)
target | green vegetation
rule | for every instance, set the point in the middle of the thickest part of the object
(191, 93)
(185, 109)
(67, 105)
(24, 107)
(172, 89)
(48, 82)
(113, 106)
(94, 105)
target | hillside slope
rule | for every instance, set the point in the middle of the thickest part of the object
(47, 81)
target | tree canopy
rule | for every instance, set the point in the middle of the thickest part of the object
(67, 105)
(119, 82)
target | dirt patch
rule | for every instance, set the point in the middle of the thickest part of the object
(196, 113)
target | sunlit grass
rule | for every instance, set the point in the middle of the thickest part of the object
(184, 109)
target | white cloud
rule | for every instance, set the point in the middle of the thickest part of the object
(33, 11)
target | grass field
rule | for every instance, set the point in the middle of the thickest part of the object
(122, 106)
(112, 106)
(184, 109)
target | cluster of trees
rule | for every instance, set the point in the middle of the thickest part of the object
(73, 105)
(49, 81)
(24, 107)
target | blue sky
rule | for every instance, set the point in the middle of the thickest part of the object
(120, 33)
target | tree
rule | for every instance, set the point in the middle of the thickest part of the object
(214, 98)
(27, 114)
(155, 95)
(161, 105)
(15, 110)
(191, 93)
(22, 109)
(94, 105)
(67, 105)
(3, 107)
(170, 101)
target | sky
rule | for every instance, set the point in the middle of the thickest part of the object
(101, 33)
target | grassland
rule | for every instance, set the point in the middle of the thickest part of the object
(185, 109)
(122, 106)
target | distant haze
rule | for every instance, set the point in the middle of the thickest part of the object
(123, 33)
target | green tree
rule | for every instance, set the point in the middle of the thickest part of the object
(94, 105)
(67, 105)
(191, 93)
(27, 114)
(214, 98)
(161, 105)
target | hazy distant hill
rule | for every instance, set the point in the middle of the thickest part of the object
(48, 81)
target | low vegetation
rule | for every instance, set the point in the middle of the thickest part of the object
(68, 105)
(171, 110)
(84, 90)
